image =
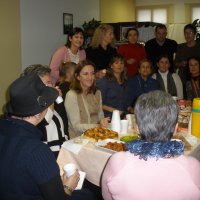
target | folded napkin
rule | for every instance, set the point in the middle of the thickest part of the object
(73, 146)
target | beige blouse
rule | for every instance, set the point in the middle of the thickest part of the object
(83, 112)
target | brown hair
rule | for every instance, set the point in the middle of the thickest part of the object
(145, 60)
(75, 85)
(131, 29)
(73, 32)
(110, 75)
(64, 69)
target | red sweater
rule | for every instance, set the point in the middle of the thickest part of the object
(135, 51)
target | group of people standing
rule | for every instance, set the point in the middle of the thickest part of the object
(93, 82)
(123, 73)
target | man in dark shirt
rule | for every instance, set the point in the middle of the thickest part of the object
(160, 45)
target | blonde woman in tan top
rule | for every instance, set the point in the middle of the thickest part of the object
(83, 102)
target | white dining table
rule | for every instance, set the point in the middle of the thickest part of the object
(92, 159)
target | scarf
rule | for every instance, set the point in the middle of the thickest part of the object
(145, 149)
(171, 87)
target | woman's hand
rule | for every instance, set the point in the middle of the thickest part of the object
(130, 110)
(130, 61)
(59, 90)
(71, 181)
(105, 122)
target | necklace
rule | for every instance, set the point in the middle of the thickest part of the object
(157, 150)
(74, 57)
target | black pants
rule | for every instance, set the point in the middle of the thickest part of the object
(94, 189)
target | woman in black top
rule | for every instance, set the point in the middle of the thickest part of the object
(101, 49)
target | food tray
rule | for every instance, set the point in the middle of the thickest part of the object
(104, 142)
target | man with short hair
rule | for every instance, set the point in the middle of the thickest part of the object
(161, 45)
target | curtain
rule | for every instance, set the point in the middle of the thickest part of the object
(175, 32)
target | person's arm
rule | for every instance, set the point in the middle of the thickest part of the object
(73, 113)
(189, 90)
(113, 166)
(193, 169)
(180, 60)
(56, 61)
(108, 108)
(102, 85)
(54, 190)
(179, 85)
(82, 55)
(44, 172)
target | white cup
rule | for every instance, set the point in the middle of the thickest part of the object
(116, 126)
(124, 126)
(129, 118)
(115, 115)
(115, 122)
(175, 98)
(59, 100)
(70, 169)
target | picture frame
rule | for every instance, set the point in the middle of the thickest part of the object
(67, 22)
(123, 31)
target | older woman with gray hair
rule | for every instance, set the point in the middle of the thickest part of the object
(154, 161)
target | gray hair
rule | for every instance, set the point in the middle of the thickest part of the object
(156, 115)
(40, 70)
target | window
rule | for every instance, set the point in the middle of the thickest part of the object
(195, 13)
(158, 15)
(192, 12)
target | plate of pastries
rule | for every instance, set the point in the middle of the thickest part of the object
(111, 145)
(97, 133)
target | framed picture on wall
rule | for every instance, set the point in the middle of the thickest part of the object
(67, 22)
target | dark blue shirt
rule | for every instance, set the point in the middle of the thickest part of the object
(113, 94)
(25, 162)
(137, 86)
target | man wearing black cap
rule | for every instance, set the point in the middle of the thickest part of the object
(28, 169)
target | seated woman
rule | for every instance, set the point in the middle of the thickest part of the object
(83, 102)
(72, 51)
(133, 52)
(193, 85)
(28, 168)
(141, 83)
(66, 73)
(169, 82)
(113, 87)
(154, 161)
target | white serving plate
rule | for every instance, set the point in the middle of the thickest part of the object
(101, 143)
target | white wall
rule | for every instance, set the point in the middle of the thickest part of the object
(42, 26)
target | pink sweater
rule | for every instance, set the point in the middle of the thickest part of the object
(60, 56)
(127, 177)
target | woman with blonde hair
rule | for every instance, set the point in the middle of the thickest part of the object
(83, 102)
(101, 49)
